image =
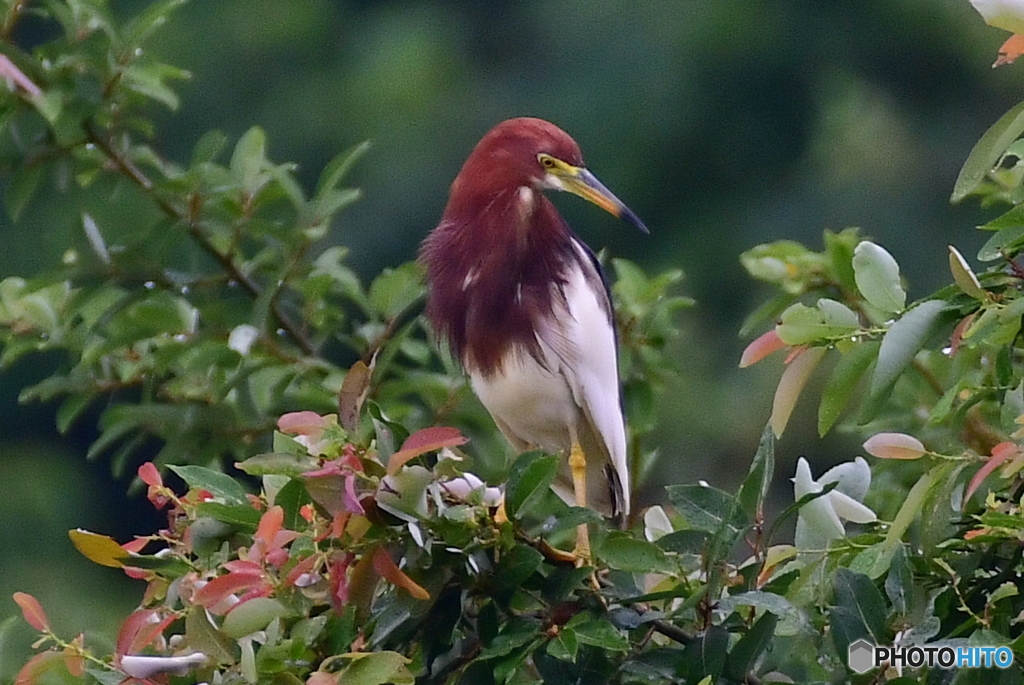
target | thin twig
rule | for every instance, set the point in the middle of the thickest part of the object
(140, 179)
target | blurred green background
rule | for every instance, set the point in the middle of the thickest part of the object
(722, 123)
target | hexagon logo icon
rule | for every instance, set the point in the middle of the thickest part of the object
(859, 656)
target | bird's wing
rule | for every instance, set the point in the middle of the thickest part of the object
(585, 343)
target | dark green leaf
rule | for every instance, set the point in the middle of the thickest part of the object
(517, 565)
(857, 594)
(531, 475)
(899, 583)
(748, 650)
(626, 553)
(217, 483)
(339, 167)
(843, 382)
(705, 656)
(598, 633)
(684, 541)
(706, 508)
(759, 478)
(987, 152)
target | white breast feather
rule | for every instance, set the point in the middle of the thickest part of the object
(539, 405)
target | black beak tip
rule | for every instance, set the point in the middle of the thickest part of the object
(629, 216)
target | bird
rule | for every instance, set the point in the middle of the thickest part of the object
(525, 306)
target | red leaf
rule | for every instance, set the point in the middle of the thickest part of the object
(1000, 453)
(304, 566)
(270, 524)
(36, 666)
(761, 347)
(32, 610)
(142, 628)
(386, 569)
(423, 441)
(135, 546)
(150, 474)
(73, 659)
(222, 586)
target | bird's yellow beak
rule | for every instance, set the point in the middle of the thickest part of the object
(580, 181)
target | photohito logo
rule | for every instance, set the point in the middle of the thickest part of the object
(863, 656)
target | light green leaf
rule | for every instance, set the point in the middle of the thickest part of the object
(376, 668)
(878, 277)
(706, 508)
(218, 484)
(1006, 242)
(902, 342)
(987, 152)
(249, 159)
(964, 276)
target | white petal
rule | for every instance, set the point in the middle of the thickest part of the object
(656, 523)
(147, 666)
(803, 484)
(242, 338)
(850, 509)
(854, 478)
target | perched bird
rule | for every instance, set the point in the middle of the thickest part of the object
(524, 305)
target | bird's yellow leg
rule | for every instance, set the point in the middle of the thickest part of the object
(578, 467)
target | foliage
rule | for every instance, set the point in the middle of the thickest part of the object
(360, 546)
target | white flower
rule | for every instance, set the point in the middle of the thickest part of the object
(821, 520)
(242, 338)
(656, 523)
(464, 486)
(1003, 14)
(143, 667)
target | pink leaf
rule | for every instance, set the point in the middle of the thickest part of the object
(301, 423)
(894, 446)
(150, 474)
(142, 628)
(760, 348)
(36, 666)
(799, 370)
(1000, 453)
(423, 441)
(32, 610)
(219, 588)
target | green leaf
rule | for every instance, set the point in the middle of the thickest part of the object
(1005, 243)
(517, 565)
(531, 475)
(218, 484)
(252, 615)
(842, 383)
(705, 508)
(395, 289)
(376, 668)
(857, 593)
(625, 553)
(705, 656)
(987, 152)
(878, 277)
(283, 463)
(902, 342)
(598, 633)
(899, 583)
(338, 168)
(236, 514)
(754, 489)
(249, 160)
(750, 647)
(202, 635)
(760, 599)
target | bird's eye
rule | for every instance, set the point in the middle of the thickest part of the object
(547, 161)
